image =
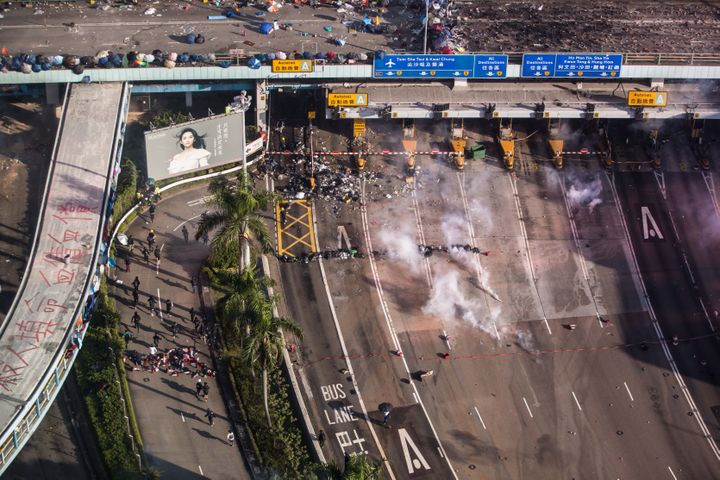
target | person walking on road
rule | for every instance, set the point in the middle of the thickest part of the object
(206, 390)
(136, 297)
(193, 283)
(136, 321)
(131, 244)
(156, 340)
(136, 283)
(174, 328)
(198, 388)
(230, 437)
(168, 306)
(321, 438)
(146, 255)
(192, 314)
(151, 305)
(186, 234)
(205, 238)
(210, 416)
(127, 262)
(158, 254)
(152, 213)
(151, 239)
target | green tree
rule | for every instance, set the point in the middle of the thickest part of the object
(165, 118)
(242, 299)
(236, 217)
(265, 344)
(358, 467)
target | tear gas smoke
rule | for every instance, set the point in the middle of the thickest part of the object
(586, 193)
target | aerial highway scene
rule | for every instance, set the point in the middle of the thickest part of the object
(359, 239)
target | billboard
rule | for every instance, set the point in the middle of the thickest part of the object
(196, 145)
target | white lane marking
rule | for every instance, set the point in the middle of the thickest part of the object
(199, 201)
(672, 473)
(182, 416)
(576, 401)
(656, 326)
(186, 221)
(447, 339)
(388, 318)
(521, 221)
(707, 315)
(201, 472)
(476, 259)
(417, 400)
(528, 407)
(628, 390)
(421, 233)
(480, 417)
(338, 330)
(159, 305)
(441, 452)
(343, 236)
(580, 254)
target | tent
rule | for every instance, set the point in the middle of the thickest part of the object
(266, 28)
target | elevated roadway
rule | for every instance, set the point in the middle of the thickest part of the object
(43, 330)
(558, 99)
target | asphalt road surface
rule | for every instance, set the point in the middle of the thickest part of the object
(556, 365)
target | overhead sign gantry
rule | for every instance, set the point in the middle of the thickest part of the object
(440, 66)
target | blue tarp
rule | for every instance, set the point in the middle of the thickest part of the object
(266, 28)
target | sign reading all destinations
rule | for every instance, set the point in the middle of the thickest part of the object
(490, 66)
(292, 66)
(347, 99)
(647, 99)
(441, 66)
(588, 65)
(581, 65)
(538, 65)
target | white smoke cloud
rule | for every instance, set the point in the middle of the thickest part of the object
(586, 193)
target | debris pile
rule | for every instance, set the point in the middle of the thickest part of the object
(171, 361)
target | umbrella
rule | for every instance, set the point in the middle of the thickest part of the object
(270, 56)
(362, 57)
(266, 28)
(385, 407)
(307, 55)
(280, 55)
(380, 54)
(254, 63)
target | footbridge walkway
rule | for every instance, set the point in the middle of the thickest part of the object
(45, 326)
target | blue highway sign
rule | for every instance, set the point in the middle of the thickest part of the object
(491, 66)
(588, 65)
(538, 65)
(424, 66)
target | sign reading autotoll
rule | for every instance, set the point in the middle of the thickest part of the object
(347, 99)
(292, 66)
(647, 99)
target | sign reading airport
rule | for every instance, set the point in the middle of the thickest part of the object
(647, 99)
(569, 65)
(347, 99)
(440, 66)
(292, 66)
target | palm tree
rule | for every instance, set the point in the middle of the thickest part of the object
(358, 467)
(265, 344)
(235, 214)
(241, 299)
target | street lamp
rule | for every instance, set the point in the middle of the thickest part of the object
(427, 11)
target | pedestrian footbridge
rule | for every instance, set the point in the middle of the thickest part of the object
(46, 323)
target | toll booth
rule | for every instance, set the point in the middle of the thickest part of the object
(359, 143)
(555, 142)
(409, 145)
(458, 142)
(506, 139)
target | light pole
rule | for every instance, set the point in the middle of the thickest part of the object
(427, 11)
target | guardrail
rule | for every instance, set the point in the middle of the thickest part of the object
(27, 419)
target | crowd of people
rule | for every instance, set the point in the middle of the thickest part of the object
(173, 361)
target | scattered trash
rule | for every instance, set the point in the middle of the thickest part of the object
(150, 11)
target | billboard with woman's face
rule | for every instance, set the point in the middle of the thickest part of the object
(196, 145)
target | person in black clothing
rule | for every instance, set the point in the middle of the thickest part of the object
(156, 340)
(146, 255)
(136, 321)
(136, 283)
(210, 416)
(136, 297)
(152, 213)
(206, 390)
(151, 304)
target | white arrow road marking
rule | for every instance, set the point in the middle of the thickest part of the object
(343, 235)
(650, 226)
(412, 463)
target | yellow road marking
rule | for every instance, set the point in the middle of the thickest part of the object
(286, 240)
